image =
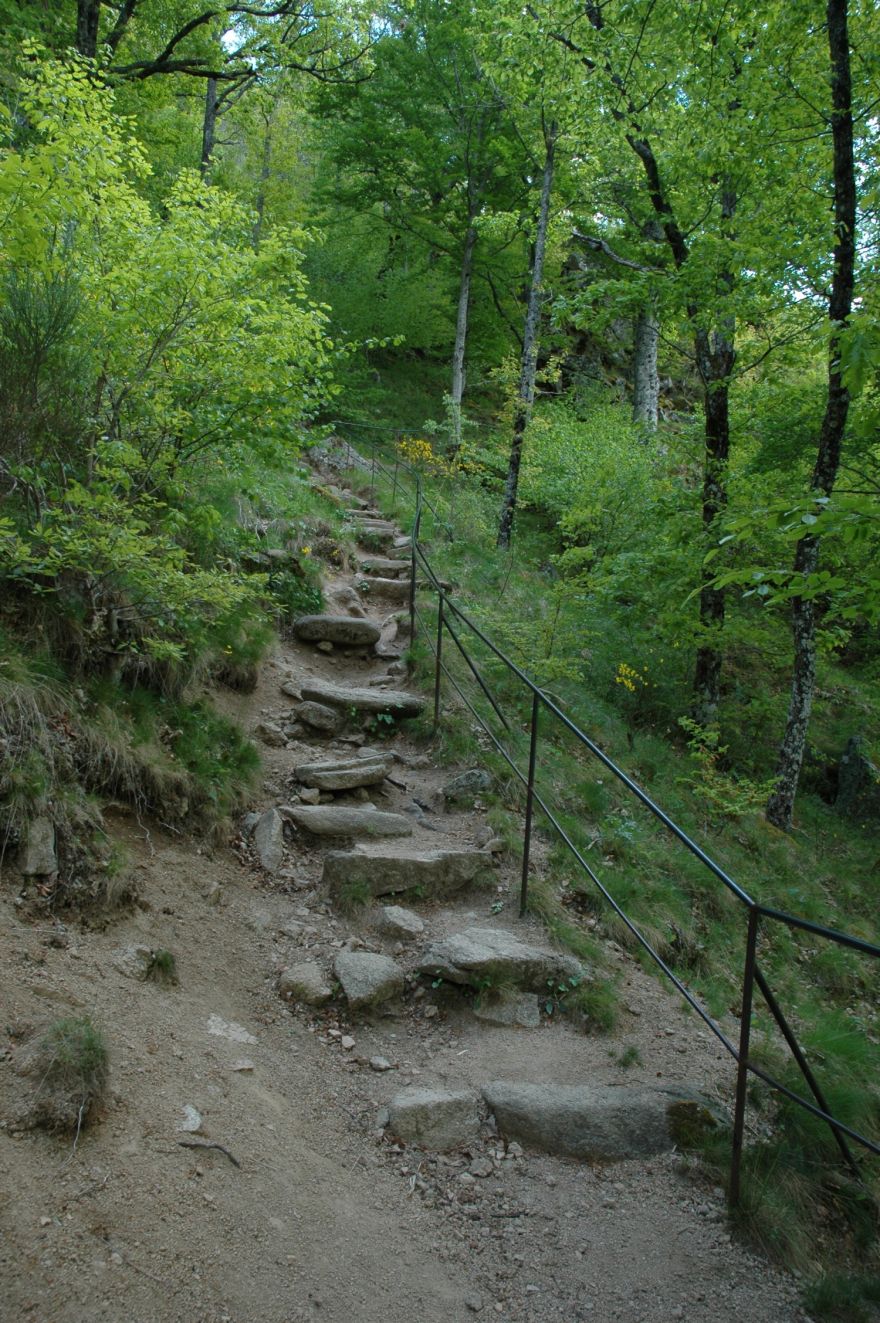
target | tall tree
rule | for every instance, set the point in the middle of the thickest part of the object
(806, 560)
(529, 359)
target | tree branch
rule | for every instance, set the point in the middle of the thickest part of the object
(600, 246)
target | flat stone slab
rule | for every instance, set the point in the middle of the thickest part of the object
(347, 774)
(396, 588)
(333, 820)
(319, 716)
(479, 957)
(393, 701)
(367, 979)
(398, 922)
(515, 1010)
(434, 1118)
(601, 1123)
(348, 631)
(384, 565)
(436, 873)
(306, 983)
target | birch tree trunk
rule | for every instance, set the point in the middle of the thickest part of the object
(461, 330)
(646, 380)
(265, 170)
(780, 806)
(529, 361)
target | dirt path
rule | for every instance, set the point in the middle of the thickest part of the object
(325, 1217)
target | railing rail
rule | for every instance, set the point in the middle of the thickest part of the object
(753, 976)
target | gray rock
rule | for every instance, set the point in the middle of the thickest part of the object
(332, 820)
(597, 1123)
(384, 565)
(464, 788)
(305, 983)
(248, 823)
(370, 701)
(269, 840)
(398, 589)
(133, 961)
(348, 631)
(271, 734)
(479, 957)
(310, 795)
(346, 774)
(325, 646)
(435, 873)
(398, 922)
(510, 1010)
(319, 716)
(37, 857)
(380, 1064)
(346, 598)
(435, 1118)
(368, 979)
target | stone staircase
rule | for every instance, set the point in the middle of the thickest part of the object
(384, 824)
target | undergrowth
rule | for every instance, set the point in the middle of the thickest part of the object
(713, 783)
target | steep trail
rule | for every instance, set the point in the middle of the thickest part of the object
(327, 1217)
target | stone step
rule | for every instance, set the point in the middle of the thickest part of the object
(598, 1123)
(349, 631)
(486, 957)
(345, 774)
(396, 588)
(370, 701)
(383, 565)
(435, 873)
(333, 820)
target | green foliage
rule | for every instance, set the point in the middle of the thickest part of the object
(844, 1297)
(162, 967)
(72, 1066)
(723, 794)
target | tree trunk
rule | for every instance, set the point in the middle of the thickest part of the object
(209, 126)
(529, 361)
(780, 806)
(716, 365)
(646, 381)
(461, 329)
(88, 13)
(264, 179)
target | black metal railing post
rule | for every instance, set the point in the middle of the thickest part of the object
(438, 665)
(530, 803)
(413, 544)
(742, 1069)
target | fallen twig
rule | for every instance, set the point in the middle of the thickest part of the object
(200, 1143)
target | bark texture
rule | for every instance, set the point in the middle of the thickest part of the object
(529, 361)
(646, 380)
(461, 330)
(209, 126)
(88, 14)
(780, 806)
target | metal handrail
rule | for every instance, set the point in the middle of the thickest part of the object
(752, 974)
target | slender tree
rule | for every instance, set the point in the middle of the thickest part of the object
(806, 560)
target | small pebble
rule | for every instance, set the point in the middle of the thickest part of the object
(347, 1042)
(380, 1064)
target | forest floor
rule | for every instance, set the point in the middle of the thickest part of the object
(324, 1217)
